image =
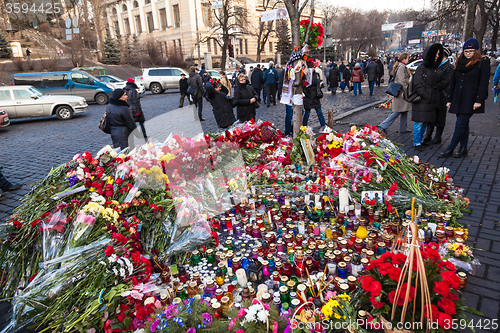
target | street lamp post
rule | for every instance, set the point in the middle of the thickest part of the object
(197, 32)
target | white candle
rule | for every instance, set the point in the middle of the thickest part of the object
(343, 199)
(262, 288)
(241, 276)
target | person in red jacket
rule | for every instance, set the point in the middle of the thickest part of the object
(357, 78)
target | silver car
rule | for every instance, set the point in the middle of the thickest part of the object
(27, 101)
(158, 79)
(118, 83)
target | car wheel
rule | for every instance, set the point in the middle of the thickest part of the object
(101, 98)
(156, 88)
(64, 112)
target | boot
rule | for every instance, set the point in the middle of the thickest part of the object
(462, 152)
(447, 153)
(437, 138)
(428, 135)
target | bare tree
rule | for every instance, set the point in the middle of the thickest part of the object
(295, 10)
(230, 22)
(264, 30)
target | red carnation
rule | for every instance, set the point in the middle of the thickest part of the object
(109, 250)
(375, 303)
(402, 294)
(444, 320)
(394, 273)
(120, 238)
(399, 259)
(17, 224)
(121, 317)
(451, 279)
(448, 306)
(431, 312)
(441, 288)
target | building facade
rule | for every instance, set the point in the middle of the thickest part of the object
(172, 23)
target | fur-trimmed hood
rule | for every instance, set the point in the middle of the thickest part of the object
(429, 56)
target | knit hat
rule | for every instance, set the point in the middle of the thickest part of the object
(471, 43)
(117, 93)
(131, 80)
(215, 83)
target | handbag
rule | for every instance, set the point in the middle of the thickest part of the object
(192, 90)
(394, 89)
(410, 95)
(104, 124)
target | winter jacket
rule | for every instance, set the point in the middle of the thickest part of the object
(196, 81)
(221, 107)
(469, 87)
(242, 96)
(496, 77)
(380, 69)
(372, 71)
(270, 76)
(402, 77)
(134, 102)
(425, 81)
(121, 121)
(445, 74)
(346, 75)
(341, 68)
(311, 100)
(256, 78)
(357, 74)
(183, 86)
(334, 77)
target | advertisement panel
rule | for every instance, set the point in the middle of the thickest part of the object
(275, 14)
(397, 26)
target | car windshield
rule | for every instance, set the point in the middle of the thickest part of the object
(36, 92)
(115, 78)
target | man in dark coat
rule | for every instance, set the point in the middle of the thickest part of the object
(183, 87)
(196, 84)
(221, 105)
(346, 76)
(334, 78)
(341, 67)
(120, 118)
(425, 81)
(372, 73)
(256, 80)
(444, 72)
(134, 102)
(270, 78)
(380, 72)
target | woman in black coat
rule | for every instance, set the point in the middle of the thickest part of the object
(380, 72)
(245, 99)
(424, 82)
(311, 99)
(468, 92)
(221, 105)
(120, 119)
(334, 78)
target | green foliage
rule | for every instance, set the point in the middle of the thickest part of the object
(297, 151)
(112, 53)
(5, 49)
(372, 52)
(284, 45)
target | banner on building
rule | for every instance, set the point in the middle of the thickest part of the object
(397, 26)
(431, 33)
(414, 41)
(441, 32)
(275, 14)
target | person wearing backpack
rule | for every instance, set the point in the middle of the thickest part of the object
(468, 93)
(425, 82)
(270, 78)
(195, 89)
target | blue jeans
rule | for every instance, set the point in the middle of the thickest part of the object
(357, 87)
(461, 133)
(392, 117)
(321, 118)
(418, 133)
(371, 84)
(288, 120)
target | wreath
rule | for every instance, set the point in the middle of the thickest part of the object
(316, 33)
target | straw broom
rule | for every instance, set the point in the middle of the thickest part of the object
(406, 273)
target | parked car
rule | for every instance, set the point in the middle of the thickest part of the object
(27, 101)
(213, 74)
(4, 119)
(118, 83)
(158, 79)
(413, 65)
(75, 83)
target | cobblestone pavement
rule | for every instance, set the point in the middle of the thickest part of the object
(30, 148)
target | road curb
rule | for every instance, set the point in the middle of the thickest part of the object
(361, 108)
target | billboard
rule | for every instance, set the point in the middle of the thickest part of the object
(397, 26)
(275, 14)
(414, 41)
(431, 33)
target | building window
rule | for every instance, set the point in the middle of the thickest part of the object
(138, 26)
(116, 28)
(270, 46)
(113, 11)
(136, 4)
(163, 18)
(175, 46)
(126, 25)
(124, 8)
(177, 16)
(209, 46)
(241, 46)
(246, 46)
(180, 48)
(215, 46)
(207, 14)
(149, 19)
(147, 2)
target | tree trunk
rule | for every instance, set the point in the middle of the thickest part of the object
(494, 37)
(225, 39)
(259, 41)
(470, 17)
(294, 16)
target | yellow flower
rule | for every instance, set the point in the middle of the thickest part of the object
(337, 316)
(335, 303)
(167, 157)
(303, 128)
(110, 180)
(91, 189)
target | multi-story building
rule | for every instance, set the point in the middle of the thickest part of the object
(174, 25)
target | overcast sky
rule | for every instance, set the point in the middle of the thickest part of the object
(381, 4)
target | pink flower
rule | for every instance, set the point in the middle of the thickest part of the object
(240, 331)
(232, 323)
(191, 330)
(242, 312)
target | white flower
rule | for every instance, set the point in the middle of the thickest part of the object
(330, 137)
(120, 261)
(122, 272)
(263, 315)
(115, 271)
(112, 258)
